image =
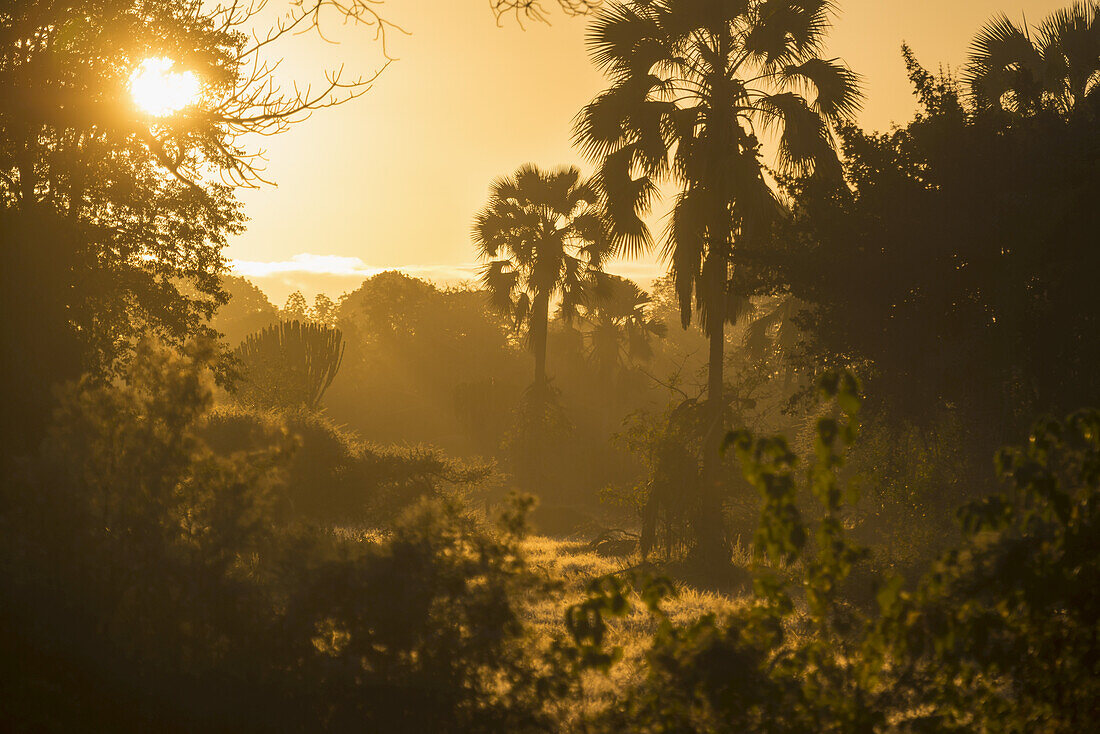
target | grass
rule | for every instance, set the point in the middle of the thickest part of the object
(574, 564)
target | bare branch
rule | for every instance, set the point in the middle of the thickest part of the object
(533, 10)
(257, 104)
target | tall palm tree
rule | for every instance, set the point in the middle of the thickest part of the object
(543, 235)
(693, 84)
(1010, 69)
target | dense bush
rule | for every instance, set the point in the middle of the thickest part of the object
(146, 586)
(999, 634)
(331, 475)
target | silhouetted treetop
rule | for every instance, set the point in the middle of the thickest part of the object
(119, 213)
(1054, 66)
(544, 235)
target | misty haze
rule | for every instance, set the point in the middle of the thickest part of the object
(550, 366)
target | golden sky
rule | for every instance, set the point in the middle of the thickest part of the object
(393, 179)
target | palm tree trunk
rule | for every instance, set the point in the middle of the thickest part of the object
(538, 450)
(710, 525)
(540, 317)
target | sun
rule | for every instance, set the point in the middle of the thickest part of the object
(159, 91)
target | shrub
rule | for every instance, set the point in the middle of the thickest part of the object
(999, 634)
(146, 587)
(331, 475)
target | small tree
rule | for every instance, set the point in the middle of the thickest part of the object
(290, 364)
(618, 324)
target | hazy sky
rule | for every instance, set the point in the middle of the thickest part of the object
(393, 179)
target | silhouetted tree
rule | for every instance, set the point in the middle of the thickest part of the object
(324, 310)
(971, 236)
(416, 350)
(544, 236)
(618, 324)
(1055, 69)
(296, 308)
(692, 83)
(247, 311)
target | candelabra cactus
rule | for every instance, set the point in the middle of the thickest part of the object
(289, 364)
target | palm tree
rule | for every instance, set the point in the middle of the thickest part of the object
(544, 237)
(1011, 70)
(693, 83)
(618, 324)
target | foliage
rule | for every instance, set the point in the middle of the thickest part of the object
(334, 477)
(425, 365)
(1055, 72)
(289, 365)
(118, 217)
(536, 441)
(296, 308)
(246, 311)
(998, 635)
(618, 325)
(971, 235)
(912, 480)
(147, 584)
(748, 672)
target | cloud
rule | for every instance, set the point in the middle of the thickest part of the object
(302, 263)
(335, 275)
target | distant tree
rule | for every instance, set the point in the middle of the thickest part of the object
(324, 310)
(414, 350)
(296, 308)
(1056, 68)
(618, 324)
(289, 365)
(692, 84)
(247, 311)
(545, 238)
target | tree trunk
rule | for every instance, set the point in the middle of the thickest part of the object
(710, 524)
(538, 450)
(540, 316)
(710, 531)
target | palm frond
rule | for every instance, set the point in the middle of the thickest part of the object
(626, 200)
(685, 245)
(786, 31)
(804, 137)
(617, 31)
(1002, 60)
(837, 89)
(500, 281)
(1070, 46)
